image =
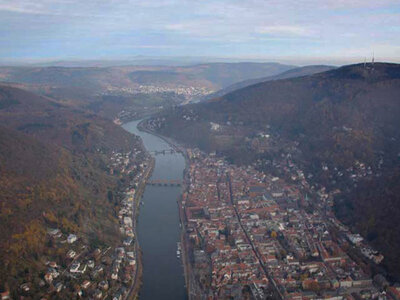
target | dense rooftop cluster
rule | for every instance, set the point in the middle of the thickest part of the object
(250, 235)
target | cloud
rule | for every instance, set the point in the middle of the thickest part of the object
(253, 27)
(28, 8)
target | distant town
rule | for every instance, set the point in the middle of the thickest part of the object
(188, 92)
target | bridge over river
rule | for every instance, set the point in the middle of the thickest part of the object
(163, 152)
(162, 182)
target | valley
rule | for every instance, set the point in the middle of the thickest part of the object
(138, 90)
(199, 150)
(278, 200)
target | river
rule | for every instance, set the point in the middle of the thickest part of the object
(158, 225)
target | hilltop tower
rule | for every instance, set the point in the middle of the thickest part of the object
(373, 59)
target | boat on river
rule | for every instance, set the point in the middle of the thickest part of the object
(178, 251)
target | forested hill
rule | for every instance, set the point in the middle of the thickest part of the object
(54, 173)
(64, 125)
(315, 106)
(337, 119)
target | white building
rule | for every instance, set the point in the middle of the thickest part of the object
(71, 238)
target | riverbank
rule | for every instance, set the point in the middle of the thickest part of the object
(134, 292)
(134, 289)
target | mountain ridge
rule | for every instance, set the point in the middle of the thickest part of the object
(296, 72)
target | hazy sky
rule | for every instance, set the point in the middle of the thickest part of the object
(243, 28)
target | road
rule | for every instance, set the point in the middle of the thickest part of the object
(136, 203)
(271, 280)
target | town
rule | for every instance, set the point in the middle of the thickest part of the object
(250, 235)
(188, 92)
